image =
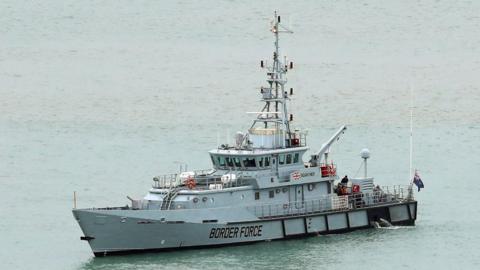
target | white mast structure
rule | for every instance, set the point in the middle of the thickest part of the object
(274, 114)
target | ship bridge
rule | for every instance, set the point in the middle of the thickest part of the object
(256, 159)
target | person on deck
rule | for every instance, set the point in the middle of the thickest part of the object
(345, 180)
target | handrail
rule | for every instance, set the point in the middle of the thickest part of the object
(325, 203)
(171, 195)
(203, 172)
(332, 202)
(169, 181)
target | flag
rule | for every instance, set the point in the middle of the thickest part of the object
(418, 181)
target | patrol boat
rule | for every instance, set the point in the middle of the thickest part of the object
(259, 189)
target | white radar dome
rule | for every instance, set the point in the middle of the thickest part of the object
(365, 153)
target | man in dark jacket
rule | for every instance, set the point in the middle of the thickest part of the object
(344, 180)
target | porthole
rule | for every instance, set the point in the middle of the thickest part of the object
(277, 190)
(284, 189)
(195, 200)
(204, 199)
(311, 187)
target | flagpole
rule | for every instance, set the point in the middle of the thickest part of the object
(410, 172)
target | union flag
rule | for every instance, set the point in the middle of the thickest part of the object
(418, 181)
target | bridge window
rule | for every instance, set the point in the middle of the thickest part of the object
(263, 162)
(281, 159)
(221, 161)
(229, 161)
(296, 158)
(267, 161)
(271, 193)
(289, 159)
(213, 160)
(249, 162)
(237, 162)
(260, 161)
(257, 195)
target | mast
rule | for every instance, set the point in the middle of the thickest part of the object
(411, 173)
(274, 114)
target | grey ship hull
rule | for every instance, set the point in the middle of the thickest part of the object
(123, 231)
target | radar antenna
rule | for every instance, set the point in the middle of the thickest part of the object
(274, 114)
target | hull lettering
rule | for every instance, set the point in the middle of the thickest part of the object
(236, 232)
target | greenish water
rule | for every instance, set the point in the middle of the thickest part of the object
(98, 97)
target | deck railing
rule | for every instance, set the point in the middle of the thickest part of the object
(327, 203)
(203, 178)
(174, 179)
(166, 181)
(333, 202)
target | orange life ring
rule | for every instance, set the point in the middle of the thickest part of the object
(332, 171)
(190, 183)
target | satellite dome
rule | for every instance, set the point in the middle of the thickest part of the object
(365, 153)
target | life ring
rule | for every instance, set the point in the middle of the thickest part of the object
(356, 188)
(332, 170)
(190, 183)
